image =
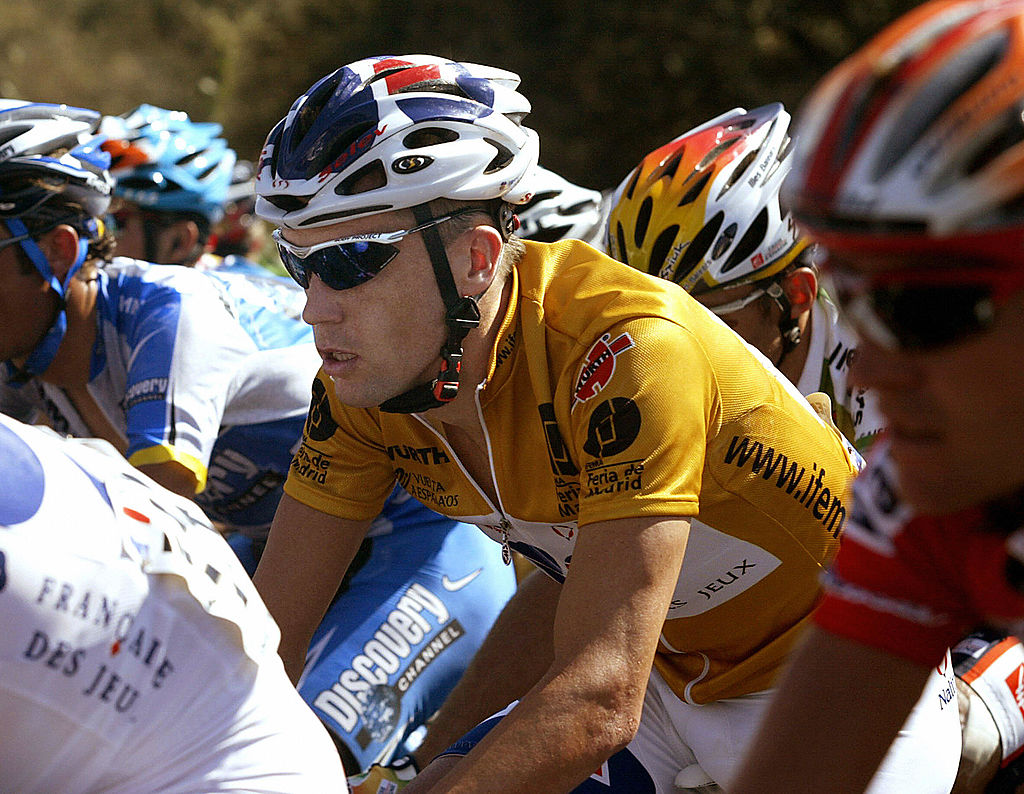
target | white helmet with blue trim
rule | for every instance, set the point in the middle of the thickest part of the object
(390, 133)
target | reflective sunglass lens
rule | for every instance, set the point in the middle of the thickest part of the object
(340, 266)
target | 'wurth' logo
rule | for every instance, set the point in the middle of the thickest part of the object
(599, 366)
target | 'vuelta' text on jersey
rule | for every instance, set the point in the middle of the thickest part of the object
(806, 487)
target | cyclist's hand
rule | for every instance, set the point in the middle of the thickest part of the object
(383, 779)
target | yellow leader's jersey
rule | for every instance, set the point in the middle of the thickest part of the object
(612, 394)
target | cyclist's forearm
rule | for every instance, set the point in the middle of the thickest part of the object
(511, 660)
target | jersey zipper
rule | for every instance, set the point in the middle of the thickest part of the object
(504, 525)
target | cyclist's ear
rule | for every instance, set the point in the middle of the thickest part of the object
(483, 244)
(182, 238)
(801, 288)
(60, 245)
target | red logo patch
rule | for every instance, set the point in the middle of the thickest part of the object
(1015, 681)
(599, 366)
(757, 260)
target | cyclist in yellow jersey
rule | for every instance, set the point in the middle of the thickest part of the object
(593, 418)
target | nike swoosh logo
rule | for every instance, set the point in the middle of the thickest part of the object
(458, 584)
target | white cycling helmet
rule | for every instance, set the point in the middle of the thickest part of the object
(558, 209)
(389, 133)
(31, 133)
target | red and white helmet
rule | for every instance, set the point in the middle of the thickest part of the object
(916, 142)
(388, 133)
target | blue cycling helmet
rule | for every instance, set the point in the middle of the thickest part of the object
(164, 161)
(53, 171)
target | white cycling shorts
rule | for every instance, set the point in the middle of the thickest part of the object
(674, 735)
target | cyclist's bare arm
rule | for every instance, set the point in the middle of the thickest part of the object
(588, 703)
(306, 557)
(837, 710)
(497, 676)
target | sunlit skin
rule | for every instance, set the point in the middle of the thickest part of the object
(383, 337)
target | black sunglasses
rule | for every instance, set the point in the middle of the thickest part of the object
(922, 309)
(349, 261)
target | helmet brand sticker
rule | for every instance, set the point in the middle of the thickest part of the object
(411, 164)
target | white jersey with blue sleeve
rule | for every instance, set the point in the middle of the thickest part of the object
(209, 370)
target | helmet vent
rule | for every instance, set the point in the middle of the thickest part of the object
(10, 132)
(1007, 134)
(741, 124)
(751, 240)
(370, 177)
(537, 199)
(311, 109)
(289, 203)
(632, 183)
(739, 171)
(700, 181)
(699, 247)
(712, 155)
(643, 219)
(430, 136)
(620, 238)
(659, 251)
(340, 215)
(670, 168)
(501, 159)
(947, 85)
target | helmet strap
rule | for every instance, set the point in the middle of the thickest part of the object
(789, 326)
(42, 355)
(462, 315)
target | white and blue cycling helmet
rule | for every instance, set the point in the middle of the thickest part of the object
(390, 133)
(52, 172)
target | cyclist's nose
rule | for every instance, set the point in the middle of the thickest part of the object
(323, 304)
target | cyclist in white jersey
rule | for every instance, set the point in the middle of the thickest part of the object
(202, 380)
(135, 653)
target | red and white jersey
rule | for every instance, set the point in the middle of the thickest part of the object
(913, 585)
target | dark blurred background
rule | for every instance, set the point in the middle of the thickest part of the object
(609, 80)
